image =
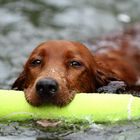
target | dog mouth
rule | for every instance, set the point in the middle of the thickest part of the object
(37, 97)
(49, 91)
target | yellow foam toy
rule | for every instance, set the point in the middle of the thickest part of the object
(94, 107)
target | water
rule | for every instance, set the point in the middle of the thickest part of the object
(26, 23)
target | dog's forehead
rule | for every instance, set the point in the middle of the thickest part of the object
(60, 48)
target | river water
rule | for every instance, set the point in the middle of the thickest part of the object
(26, 23)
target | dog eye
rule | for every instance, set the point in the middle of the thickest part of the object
(36, 62)
(75, 64)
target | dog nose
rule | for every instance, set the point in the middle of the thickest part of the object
(47, 86)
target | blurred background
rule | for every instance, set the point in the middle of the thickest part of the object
(26, 23)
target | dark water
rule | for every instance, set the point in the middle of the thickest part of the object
(26, 23)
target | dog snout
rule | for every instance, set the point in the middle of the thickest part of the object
(47, 87)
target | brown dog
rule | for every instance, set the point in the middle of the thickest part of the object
(57, 70)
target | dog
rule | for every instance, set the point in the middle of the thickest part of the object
(58, 69)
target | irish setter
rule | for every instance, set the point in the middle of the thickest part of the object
(56, 70)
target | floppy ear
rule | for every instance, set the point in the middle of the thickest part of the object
(104, 75)
(19, 83)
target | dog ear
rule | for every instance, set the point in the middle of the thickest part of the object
(19, 83)
(102, 77)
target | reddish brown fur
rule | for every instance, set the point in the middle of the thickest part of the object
(121, 63)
